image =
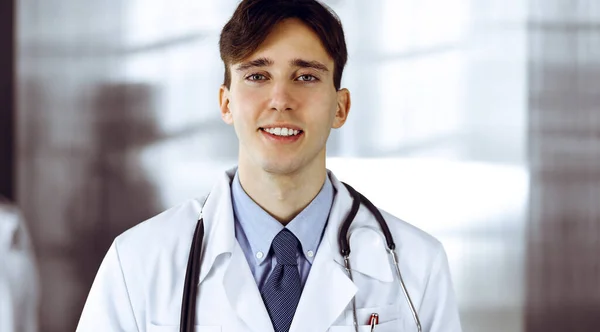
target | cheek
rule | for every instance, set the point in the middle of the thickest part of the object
(244, 104)
(247, 95)
(326, 106)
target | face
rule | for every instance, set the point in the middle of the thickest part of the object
(282, 101)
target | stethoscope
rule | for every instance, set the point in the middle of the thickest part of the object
(192, 273)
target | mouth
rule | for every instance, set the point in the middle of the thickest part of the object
(282, 134)
(282, 131)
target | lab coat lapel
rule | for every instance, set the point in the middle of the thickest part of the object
(328, 289)
(327, 292)
(219, 231)
(238, 282)
(243, 294)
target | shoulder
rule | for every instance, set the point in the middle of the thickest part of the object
(418, 250)
(164, 224)
(142, 244)
(408, 235)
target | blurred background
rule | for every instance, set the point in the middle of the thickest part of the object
(475, 120)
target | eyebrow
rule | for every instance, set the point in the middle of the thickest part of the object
(309, 64)
(265, 62)
(260, 62)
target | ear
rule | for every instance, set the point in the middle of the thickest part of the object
(224, 105)
(343, 108)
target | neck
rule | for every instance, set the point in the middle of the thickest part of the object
(283, 196)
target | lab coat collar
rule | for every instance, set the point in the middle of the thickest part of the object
(371, 259)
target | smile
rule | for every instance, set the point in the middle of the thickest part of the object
(278, 131)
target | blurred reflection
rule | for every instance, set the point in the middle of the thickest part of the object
(18, 274)
(118, 194)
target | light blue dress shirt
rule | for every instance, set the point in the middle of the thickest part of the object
(255, 229)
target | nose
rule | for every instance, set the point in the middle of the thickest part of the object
(282, 98)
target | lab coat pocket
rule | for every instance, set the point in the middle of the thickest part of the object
(391, 326)
(389, 320)
(175, 328)
(386, 313)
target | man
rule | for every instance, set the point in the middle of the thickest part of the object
(270, 253)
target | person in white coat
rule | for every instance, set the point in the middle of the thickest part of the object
(270, 256)
(18, 273)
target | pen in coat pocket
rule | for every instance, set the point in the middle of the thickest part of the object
(374, 320)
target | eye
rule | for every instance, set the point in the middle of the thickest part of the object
(256, 77)
(307, 78)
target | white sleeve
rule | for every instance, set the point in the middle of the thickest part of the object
(108, 306)
(439, 311)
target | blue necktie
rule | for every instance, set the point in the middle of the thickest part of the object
(281, 293)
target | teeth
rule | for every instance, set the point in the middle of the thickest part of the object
(282, 131)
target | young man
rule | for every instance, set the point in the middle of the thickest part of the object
(270, 256)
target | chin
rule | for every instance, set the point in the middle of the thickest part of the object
(281, 167)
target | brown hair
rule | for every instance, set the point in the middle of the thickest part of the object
(253, 20)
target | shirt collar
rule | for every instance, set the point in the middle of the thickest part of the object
(261, 228)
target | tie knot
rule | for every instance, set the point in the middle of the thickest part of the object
(285, 246)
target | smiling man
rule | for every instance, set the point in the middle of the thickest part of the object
(267, 249)
(283, 102)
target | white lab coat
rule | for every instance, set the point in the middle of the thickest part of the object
(18, 274)
(139, 285)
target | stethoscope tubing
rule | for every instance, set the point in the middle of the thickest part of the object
(192, 274)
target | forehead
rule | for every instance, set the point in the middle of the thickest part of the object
(292, 39)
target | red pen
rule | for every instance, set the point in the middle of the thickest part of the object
(374, 320)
